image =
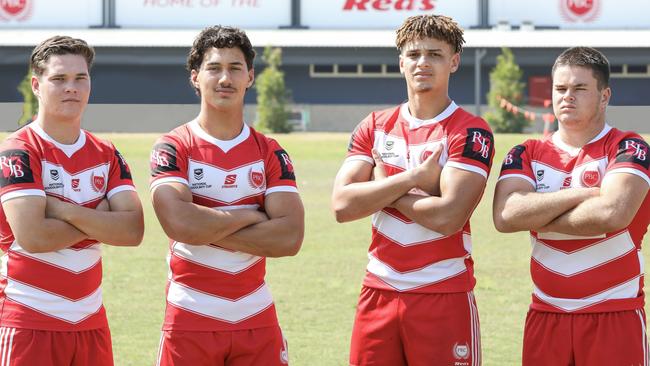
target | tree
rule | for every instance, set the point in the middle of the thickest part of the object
(30, 102)
(505, 82)
(272, 95)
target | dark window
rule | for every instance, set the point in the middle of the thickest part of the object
(637, 69)
(392, 69)
(347, 69)
(616, 69)
(325, 69)
(375, 69)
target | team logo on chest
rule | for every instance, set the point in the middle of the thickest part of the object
(198, 173)
(590, 178)
(389, 145)
(54, 174)
(540, 175)
(256, 178)
(98, 182)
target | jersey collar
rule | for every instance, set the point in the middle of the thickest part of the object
(224, 145)
(417, 123)
(574, 151)
(68, 150)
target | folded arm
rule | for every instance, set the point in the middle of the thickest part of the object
(517, 207)
(186, 222)
(121, 225)
(613, 209)
(35, 232)
(281, 235)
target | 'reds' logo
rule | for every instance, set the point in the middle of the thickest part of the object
(385, 5)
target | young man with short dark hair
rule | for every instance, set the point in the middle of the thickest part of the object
(226, 196)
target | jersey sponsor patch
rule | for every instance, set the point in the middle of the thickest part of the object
(479, 145)
(16, 167)
(513, 159)
(163, 159)
(285, 164)
(125, 172)
(633, 151)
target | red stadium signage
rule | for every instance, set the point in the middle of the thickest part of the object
(580, 10)
(387, 5)
(19, 10)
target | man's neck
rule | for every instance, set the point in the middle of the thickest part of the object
(62, 131)
(579, 137)
(427, 105)
(221, 124)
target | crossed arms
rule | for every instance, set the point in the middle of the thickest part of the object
(277, 232)
(574, 211)
(452, 194)
(41, 224)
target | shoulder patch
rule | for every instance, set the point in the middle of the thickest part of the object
(163, 159)
(125, 173)
(479, 145)
(633, 150)
(285, 164)
(513, 159)
(16, 167)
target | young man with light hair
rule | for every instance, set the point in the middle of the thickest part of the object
(583, 195)
(420, 170)
(226, 196)
(63, 193)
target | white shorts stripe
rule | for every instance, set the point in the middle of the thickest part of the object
(3, 342)
(644, 338)
(11, 342)
(160, 348)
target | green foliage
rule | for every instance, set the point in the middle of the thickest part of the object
(505, 82)
(30, 102)
(272, 95)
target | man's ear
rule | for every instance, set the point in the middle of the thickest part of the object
(194, 75)
(36, 86)
(455, 62)
(251, 77)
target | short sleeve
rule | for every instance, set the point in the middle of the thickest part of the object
(472, 148)
(21, 171)
(168, 162)
(629, 154)
(361, 141)
(280, 174)
(119, 178)
(517, 164)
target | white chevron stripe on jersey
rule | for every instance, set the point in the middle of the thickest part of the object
(393, 150)
(560, 236)
(595, 255)
(404, 281)
(59, 182)
(71, 260)
(53, 305)
(402, 233)
(232, 311)
(215, 258)
(226, 186)
(626, 290)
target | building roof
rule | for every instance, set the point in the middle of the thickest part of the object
(307, 38)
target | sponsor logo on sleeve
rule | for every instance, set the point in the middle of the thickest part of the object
(16, 168)
(513, 159)
(479, 145)
(125, 172)
(163, 159)
(285, 164)
(633, 150)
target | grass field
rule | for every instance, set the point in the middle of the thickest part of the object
(316, 291)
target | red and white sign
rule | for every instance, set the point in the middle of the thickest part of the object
(382, 14)
(48, 13)
(202, 13)
(572, 14)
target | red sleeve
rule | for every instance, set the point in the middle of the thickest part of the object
(280, 175)
(472, 147)
(629, 154)
(517, 163)
(119, 177)
(169, 161)
(362, 141)
(21, 171)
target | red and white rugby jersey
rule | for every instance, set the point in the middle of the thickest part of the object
(60, 290)
(405, 256)
(575, 273)
(211, 288)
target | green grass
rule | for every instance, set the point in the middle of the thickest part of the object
(316, 291)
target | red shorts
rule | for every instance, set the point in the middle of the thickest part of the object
(393, 328)
(613, 338)
(28, 347)
(251, 347)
